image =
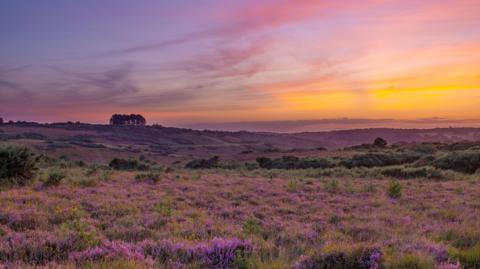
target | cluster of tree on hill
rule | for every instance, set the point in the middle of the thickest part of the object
(124, 119)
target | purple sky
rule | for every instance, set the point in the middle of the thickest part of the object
(204, 61)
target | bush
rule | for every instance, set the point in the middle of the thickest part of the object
(380, 142)
(380, 159)
(54, 178)
(203, 163)
(152, 177)
(469, 258)
(124, 164)
(292, 162)
(412, 261)
(252, 226)
(17, 165)
(465, 162)
(363, 258)
(394, 189)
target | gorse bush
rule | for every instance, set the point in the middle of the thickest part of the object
(149, 177)
(292, 162)
(127, 164)
(17, 165)
(380, 159)
(204, 163)
(362, 258)
(465, 162)
(394, 189)
(469, 258)
(54, 178)
(412, 261)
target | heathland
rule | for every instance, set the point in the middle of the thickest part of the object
(95, 196)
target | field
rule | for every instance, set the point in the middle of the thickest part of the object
(408, 205)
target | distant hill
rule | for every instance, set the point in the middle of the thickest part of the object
(99, 143)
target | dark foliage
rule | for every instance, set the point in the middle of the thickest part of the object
(204, 163)
(292, 162)
(132, 119)
(380, 159)
(380, 142)
(17, 165)
(127, 164)
(54, 178)
(359, 259)
(465, 161)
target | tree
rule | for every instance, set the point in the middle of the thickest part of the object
(1, 120)
(380, 142)
(124, 119)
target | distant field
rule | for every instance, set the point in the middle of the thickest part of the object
(99, 197)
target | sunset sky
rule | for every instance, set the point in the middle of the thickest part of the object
(209, 61)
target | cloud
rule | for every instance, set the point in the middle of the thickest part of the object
(241, 22)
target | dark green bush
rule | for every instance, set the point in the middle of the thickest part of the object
(292, 162)
(54, 178)
(203, 163)
(362, 258)
(405, 173)
(17, 165)
(469, 258)
(412, 261)
(152, 177)
(127, 164)
(464, 161)
(394, 189)
(380, 159)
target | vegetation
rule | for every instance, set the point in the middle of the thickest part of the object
(357, 208)
(127, 164)
(17, 165)
(132, 119)
(204, 163)
(394, 189)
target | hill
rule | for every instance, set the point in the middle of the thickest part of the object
(100, 143)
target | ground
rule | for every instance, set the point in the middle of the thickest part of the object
(283, 218)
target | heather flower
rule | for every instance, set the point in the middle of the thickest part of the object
(361, 259)
(109, 250)
(449, 266)
(221, 253)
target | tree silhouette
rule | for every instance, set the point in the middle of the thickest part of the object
(380, 142)
(125, 119)
(1, 120)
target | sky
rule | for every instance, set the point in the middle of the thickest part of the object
(200, 62)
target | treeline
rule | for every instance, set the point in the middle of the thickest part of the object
(124, 119)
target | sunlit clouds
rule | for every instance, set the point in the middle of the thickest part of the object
(227, 61)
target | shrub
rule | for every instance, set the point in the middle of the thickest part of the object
(405, 173)
(465, 162)
(124, 164)
(469, 258)
(203, 163)
(292, 162)
(412, 261)
(380, 142)
(380, 159)
(54, 178)
(17, 165)
(164, 208)
(362, 258)
(252, 226)
(150, 177)
(394, 189)
(331, 186)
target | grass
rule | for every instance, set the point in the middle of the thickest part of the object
(73, 215)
